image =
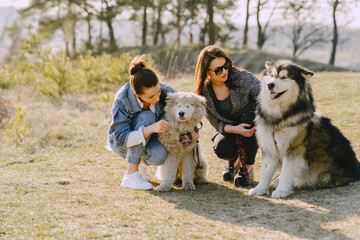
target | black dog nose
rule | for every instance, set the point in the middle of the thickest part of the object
(181, 114)
(271, 85)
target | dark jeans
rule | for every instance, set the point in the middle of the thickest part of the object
(225, 146)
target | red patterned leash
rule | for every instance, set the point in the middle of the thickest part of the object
(243, 156)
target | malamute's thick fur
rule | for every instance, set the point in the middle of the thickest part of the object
(183, 111)
(310, 150)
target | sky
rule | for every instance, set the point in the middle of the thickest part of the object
(354, 16)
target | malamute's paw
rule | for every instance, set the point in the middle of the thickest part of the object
(280, 194)
(163, 188)
(188, 186)
(258, 191)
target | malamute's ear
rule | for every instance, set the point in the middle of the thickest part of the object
(268, 64)
(307, 74)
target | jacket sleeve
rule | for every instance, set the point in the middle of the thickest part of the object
(215, 122)
(120, 127)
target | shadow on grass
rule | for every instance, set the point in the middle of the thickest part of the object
(301, 215)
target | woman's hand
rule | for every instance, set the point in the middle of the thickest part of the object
(187, 141)
(158, 127)
(240, 129)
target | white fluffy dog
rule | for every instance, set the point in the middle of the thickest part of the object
(184, 112)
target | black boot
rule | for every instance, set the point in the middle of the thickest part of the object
(242, 179)
(228, 172)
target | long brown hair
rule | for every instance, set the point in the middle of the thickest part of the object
(208, 54)
(141, 76)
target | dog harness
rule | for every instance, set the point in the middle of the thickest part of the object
(188, 134)
(189, 142)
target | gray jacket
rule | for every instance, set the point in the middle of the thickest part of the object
(244, 90)
(124, 110)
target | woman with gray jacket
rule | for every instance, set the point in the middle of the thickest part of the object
(230, 97)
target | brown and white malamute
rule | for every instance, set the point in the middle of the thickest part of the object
(310, 150)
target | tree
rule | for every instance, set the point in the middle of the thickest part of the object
(262, 35)
(303, 32)
(88, 7)
(215, 9)
(336, 7)
(108, 17)
(159, 6)
(64, 19)
(335, 33)
(246, 28)
(210, 23)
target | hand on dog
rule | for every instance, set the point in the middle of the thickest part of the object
(195, 137)
(241, 129)
(158, 127)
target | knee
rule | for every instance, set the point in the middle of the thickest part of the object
(144, 118)
(157, 158)
(225, 151)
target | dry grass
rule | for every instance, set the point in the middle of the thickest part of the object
(58, 181)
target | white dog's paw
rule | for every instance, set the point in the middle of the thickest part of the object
(276, 182)
(257, 191)
(201, 180)
(163, 188)
(280, 194)
(188, 186)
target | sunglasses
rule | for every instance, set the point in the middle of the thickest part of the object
(219, 70)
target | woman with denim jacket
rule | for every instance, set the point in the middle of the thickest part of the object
(230, 97)
(136, 111)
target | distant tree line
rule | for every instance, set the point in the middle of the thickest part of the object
(299, 21)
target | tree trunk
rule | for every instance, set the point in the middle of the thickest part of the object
(74, 37)
(211, 26)
(335, 34)
(111, 34)
(101, 40)
(109, 18)
(158, 24)
(144, 29)
(203, 32)
(260, 41)
(88, 43)
(190, 34)
(178, 21)
(246, 26)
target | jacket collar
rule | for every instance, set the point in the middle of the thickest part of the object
(211, 105)
(134, 105)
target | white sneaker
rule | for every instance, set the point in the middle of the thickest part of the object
(135, 181)
(143, 171)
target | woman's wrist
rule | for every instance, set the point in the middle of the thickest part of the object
(229, 128)
(147, 131)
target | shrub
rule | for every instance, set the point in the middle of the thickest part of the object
(17, 128)
(4, 111)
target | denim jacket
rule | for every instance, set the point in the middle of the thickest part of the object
(124, 110)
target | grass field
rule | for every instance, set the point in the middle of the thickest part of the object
(57, 181)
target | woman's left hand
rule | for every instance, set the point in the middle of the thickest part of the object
(195, 136)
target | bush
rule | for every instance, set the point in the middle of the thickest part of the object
(17, 128)
(4, 111)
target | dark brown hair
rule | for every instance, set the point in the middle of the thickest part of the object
(140, 76)
(205, 57)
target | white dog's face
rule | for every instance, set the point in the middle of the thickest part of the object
(183, 110)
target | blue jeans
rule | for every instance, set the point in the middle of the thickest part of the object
(153, 152)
